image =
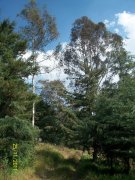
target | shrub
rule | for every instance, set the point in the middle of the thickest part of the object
(17, 137)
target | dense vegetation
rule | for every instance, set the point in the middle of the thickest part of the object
(58, 163)
(96, 114)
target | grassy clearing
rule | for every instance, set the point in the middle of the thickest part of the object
(59, 163)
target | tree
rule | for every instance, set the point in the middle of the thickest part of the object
(115, 115)
(19, 132)
(89, 58)
(40, 30)
(15, 96)
(84, 63)
(54, 93)
(55, 119)
(14, 92)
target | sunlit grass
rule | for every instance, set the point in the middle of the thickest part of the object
(59, 163)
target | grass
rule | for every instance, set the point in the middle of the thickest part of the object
(59, 163)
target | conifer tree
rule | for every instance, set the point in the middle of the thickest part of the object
(56, 120)
(115, 114)
(15, 97)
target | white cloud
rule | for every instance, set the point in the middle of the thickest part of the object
(127, 21)
(124, 24)
(109, 24)
(54, 70)
(117, 30)
(49, 67)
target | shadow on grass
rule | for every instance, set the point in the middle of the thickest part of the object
(54, 166)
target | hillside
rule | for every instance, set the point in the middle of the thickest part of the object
(59, 163)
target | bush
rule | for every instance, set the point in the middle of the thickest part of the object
(17, 140)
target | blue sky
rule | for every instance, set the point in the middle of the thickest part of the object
(118, 15)
(66, 11)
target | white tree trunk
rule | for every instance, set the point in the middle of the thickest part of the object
(33, 105)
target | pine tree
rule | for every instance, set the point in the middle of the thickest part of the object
(15, 97)
(55, 119)
(115, 116)
(14, 91)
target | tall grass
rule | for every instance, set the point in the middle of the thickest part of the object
(59, 163)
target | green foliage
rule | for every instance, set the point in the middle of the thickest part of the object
(54, 93)
(20, 132)
(89, 62)
(14, 94)
(102, 116)
(15, 98)
(57, 125)
(55, 119)
(116, 116)
(97, 115)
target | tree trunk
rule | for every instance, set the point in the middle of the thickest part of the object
(95, 152)
(33, 106)
(111, 166)
(127, 166)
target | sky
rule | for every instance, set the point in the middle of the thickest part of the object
(112, 12)
(118, 15)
